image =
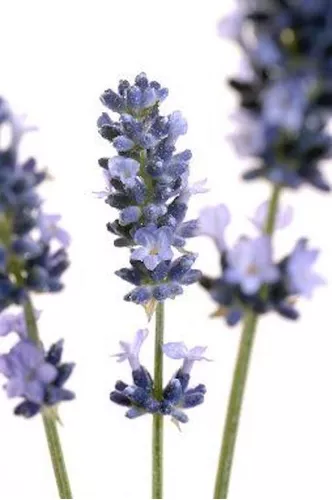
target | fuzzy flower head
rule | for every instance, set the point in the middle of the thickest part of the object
(178, 350)
(148, 182)
(131, 351)
(250, 264)
(302, 278)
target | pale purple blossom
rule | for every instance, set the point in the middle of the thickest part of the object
(14, 323)
(212, 222)
(125, 169)
(248, 137)
(130, 351)
(250, 264)
(198, 187)
(49, 229)
(283, 219)
(155, 245)
(302, 278)
(178, 350)
(27, 372)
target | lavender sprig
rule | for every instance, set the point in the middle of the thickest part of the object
(33, 258)
(285, 94)
(148, 183)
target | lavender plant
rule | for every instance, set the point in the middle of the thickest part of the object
(148, 182)
(33, 258)
(284, 91)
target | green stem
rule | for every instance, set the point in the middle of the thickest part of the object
(158, 422)
(50, 427)
(240, 378)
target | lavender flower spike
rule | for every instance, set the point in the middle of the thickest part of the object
(178, 350)
(130, 351)
(148, 182)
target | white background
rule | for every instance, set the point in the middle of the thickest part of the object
(56, 59)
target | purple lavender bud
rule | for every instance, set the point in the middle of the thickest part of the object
(139, 295)
(120, 386)
(192, 276)
(173, 391)
(112, 101)
(167, 291)
(129, 215)
(27, 409)
(181, 266)
(123, 143)
(55, 353)
(64, 372)
(133, 276)
(142, 378)
(120, 399)
(134, 413)
(193, 399)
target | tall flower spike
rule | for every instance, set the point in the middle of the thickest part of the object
(148, 182)
(33, 258)
(139, 396)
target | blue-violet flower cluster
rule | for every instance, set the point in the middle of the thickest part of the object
(148, 183)
(251, 278)
(177, 396)
(33, 258)
(284, 88)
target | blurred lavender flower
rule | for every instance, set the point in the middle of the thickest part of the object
(213, 222)
(33, 257)
(139, 398)
(15, 323)
(302, 280)
(250, 264)
(35, 376)
(148, 182)
(27, 234)
(283, 219)
(285, 97)
(49, 229)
